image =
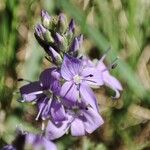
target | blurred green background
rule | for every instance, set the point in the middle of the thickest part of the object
(122, 24)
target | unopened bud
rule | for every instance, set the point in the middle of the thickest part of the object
(80, 40)
(40, 30)
(72, 26)
(45, 18)
(55, 56)
(61, 42)
(48, 37)
(75, 45)
(62, 23)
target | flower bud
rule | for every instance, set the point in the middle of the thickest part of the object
(40, 30)
(43, 33)
(48, 37)
(55, 56)
(75, 45)
(62, 23)
(72, 26)
(80, 40)
(45, 18)
(61, 42)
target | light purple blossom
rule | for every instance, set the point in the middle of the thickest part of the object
(81, 120)
(78, 80)
(34, 141)
(38, 142)
(44, 92)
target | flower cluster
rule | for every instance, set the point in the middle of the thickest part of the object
(63, 94)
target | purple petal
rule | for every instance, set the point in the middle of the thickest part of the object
(56, 131)
(31, 91)
(58, 38)
(101, 66)
(69, 91)
(70, 67)
(77, 128)
(87, 62)
(75, 45)
(112, 82)
(40, 30)
(88, 96)
(80, 40)
(39, 142)
(48, 145)
(49, 79)
(92, 76)
(57, 111)
(44, 108)
(45, 15)
(93, 120)
(72, 26)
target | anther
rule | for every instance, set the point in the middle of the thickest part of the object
(21, 79)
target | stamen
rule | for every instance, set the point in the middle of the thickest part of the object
(43, 126)
(21, 79)
(40, 111)
(90, 75)
(89, 80)
(113, 64)
(38, 115)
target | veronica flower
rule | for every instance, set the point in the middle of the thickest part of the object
(38, 142)
(81, 120)
(78, 78)
(32, 141)
(44, 92)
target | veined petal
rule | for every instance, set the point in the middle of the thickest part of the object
(111, 81)
(31, 91)
(70, 67)
(48, 145)
(56, 131)
(93, 120)
(88, 96)
(77, 127)
(39, 142)
(92, 76)
(101, 66)
(57, 111)
(69, 91)
(44, 108)
(49, 79)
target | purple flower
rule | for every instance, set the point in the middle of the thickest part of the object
(78, 79)
(32, 141)
(108, 79)
(80, 120)
(38, 142)
(44, 92)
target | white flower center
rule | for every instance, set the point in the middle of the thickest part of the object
(77, 79)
